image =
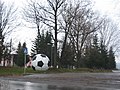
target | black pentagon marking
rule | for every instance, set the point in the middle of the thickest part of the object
(34, 58)
(43, 55)
(49, 64)
(33, 67)
(40, 64)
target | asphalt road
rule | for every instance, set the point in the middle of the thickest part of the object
(95, 81)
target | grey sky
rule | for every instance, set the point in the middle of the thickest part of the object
(25, 34)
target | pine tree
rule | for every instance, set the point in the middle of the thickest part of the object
(103, 56)
(43, 44)
(68, 57)
(36, 44)
(97, 56)
(111, 59)
(21, 55)
(92, 55)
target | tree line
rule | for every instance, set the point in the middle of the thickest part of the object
(79, 25)
(88, 39)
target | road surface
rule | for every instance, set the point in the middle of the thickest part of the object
(76, 81)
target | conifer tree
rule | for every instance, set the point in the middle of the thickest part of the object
(36, 44)
(92, 55)
(21, 55)
(97, 56)
(42, 44)
(68, 57)
(103, 56)
(111, 59)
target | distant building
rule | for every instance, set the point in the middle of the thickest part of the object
(12, 59)
(9, 61)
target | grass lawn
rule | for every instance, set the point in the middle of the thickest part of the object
(5, 71)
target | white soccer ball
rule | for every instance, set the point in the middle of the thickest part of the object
(40, 62)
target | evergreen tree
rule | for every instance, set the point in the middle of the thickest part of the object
(21, 55)
(48, 42)
(103, 56)
(92, 58)
(36, 44)
(97, 56)
(42, 44)
(19, 47)
(68, 57)
(111, 59)
(92, 55)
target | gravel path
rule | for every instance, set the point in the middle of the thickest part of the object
(96, 80)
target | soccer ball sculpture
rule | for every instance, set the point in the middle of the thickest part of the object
(40, 62)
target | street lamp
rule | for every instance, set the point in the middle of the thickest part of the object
(51, 44)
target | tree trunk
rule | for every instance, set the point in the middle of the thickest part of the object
(55, 57)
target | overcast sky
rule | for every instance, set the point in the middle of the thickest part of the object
(24, 34)
(108, 7)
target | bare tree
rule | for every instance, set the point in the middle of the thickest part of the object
(66, 25)
(80, 22)
(109, 35)
(31, 14)
(49, 16)
(7, 18)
